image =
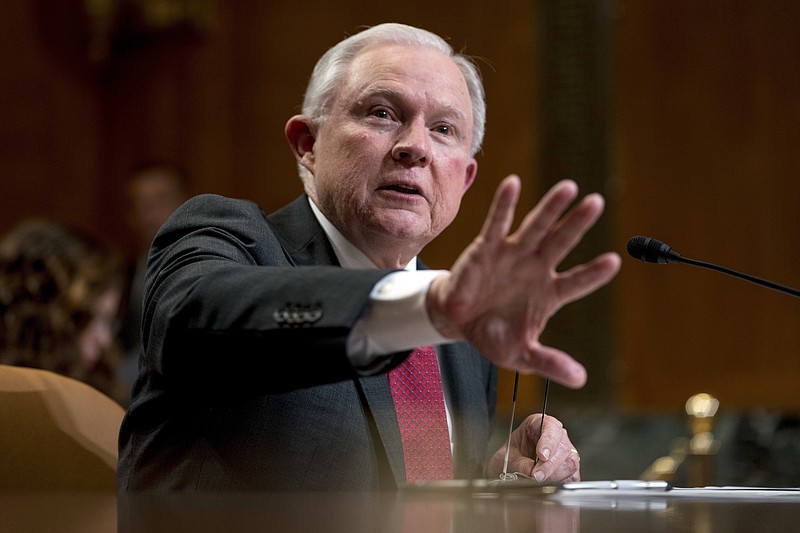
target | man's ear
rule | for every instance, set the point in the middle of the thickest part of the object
(300, 133)
(470, 173)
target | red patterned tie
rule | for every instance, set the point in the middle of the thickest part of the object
(419, 401)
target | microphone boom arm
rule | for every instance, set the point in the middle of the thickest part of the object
(747, 277)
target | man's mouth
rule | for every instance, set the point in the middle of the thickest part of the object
(405, 189)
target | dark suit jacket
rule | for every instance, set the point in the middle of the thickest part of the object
(244, 382)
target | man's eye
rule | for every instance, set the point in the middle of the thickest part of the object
(444, 129)
(380, 113)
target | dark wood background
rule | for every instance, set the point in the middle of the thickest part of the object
(701, 122)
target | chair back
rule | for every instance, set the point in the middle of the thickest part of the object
(55, 432)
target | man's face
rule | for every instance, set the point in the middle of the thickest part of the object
(391, 161)
(154, 196)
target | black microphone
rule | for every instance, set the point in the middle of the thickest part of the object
(651, 250)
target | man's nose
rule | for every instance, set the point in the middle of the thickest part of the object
(413, 145)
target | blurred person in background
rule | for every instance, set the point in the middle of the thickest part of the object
(60, 292)
(155, 190)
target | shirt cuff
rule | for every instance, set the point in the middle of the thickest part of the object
(397, 320)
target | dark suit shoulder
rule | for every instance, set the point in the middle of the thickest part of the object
(233, 228)
(214, 209)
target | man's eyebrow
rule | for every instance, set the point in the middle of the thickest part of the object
(394, 94)
(382, 91)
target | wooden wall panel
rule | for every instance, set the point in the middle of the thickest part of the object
(49, 141)
(708, 123)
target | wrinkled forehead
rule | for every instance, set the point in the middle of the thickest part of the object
(407, 67)
(410, 59)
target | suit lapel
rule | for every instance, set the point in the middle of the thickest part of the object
(302, 238)
(381, 407)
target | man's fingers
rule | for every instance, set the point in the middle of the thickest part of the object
(567, 232)
(564, 466)
(556, 365)
(559, 460)
(538, 223)
(501, 212)
(552, 434)
(584, 279)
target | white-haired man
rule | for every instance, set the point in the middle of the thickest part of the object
(281, 350)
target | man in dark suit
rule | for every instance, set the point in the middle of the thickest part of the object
(274, 345)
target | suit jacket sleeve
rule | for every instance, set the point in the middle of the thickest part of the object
(227, 307)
